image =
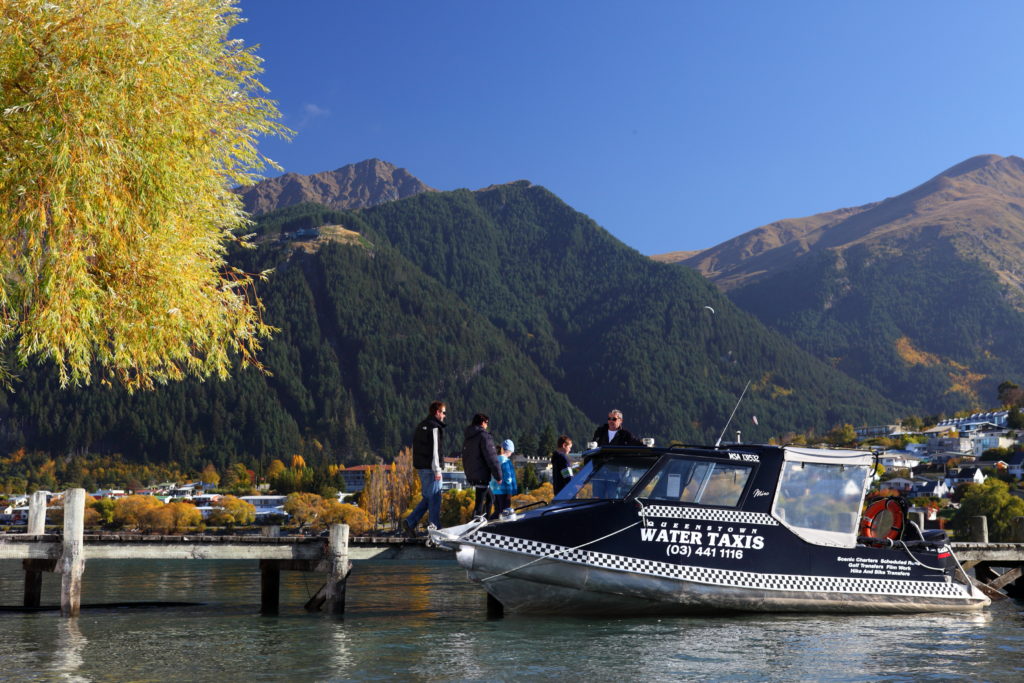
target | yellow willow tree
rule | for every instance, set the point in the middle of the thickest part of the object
(376, 495)
(403, 485)
(123, 126)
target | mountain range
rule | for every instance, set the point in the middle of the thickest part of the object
(503, 300)
(918, 296)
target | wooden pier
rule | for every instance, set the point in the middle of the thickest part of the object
(330, 555)
(998, 567)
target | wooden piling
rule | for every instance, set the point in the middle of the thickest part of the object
(34, 568)
(978, 529)
(36, 514)
(34, 580)
(338, 567)
(1017, 530)
(270, 587)
(72, 560)
(917, 517)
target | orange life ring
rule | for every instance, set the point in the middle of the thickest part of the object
(884, 518)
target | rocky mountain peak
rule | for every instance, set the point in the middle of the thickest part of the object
(353, 186)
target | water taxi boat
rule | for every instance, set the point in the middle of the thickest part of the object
(730, 528)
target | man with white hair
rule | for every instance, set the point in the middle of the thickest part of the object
(613, 433)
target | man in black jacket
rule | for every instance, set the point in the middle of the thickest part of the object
(613, 433)
(480, 461)
(427, 458)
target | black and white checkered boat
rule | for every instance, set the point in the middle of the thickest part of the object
(712, 529)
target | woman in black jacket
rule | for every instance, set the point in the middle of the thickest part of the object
(480, 461)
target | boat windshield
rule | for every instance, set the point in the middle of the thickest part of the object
(606, 478)
(821, 502)
(703, 482)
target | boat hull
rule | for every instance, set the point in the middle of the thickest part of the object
(544, 585)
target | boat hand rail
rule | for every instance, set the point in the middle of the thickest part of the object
(909, 545)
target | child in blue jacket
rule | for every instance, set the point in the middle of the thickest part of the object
(504, 491)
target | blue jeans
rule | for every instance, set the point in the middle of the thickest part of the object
(430, 489)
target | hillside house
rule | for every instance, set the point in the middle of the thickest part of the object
(1014, 464)
(899, 460)
(879, 431)
(984, 441)
(355, 477)
(901, 484)
(453, 481)
(965, 475)
(960, 445)
(932, 488)
(266, 506)
(996, 419)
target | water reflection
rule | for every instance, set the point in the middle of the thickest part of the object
(341, 658)
(426, 621)
(69, 651)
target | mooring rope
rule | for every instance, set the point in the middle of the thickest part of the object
(560, 552)
(569, 550)
(914, 558)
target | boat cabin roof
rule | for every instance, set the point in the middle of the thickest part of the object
(825, 456)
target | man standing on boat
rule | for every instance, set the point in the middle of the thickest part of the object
(613, 433)
(480, 461)
(427, 456)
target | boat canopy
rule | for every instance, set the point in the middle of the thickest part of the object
(828, 456)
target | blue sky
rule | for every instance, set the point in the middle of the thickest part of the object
(675, 125)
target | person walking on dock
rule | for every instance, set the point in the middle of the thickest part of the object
(480, 461)
(506, 488)
(427, 455)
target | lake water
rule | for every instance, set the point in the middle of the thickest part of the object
(425, 621)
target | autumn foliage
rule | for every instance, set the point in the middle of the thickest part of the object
(125, 125)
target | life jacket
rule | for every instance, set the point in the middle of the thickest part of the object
(884, 517)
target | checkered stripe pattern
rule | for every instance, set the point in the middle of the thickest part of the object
(708, 515)
(719, 577)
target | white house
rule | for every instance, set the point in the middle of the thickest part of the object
(933, 488)
(266, 505)
(965, 475)
(1015, 464)
(899, 460)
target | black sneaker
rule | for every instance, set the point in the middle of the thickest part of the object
(407, 529)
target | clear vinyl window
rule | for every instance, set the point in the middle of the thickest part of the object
(607, 479)
(821, 503)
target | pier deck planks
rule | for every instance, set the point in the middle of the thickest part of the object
(209, 547)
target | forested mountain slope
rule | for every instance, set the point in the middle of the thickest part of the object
(918, 296)
(609, 327)
(505, 301)
(366, 341)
